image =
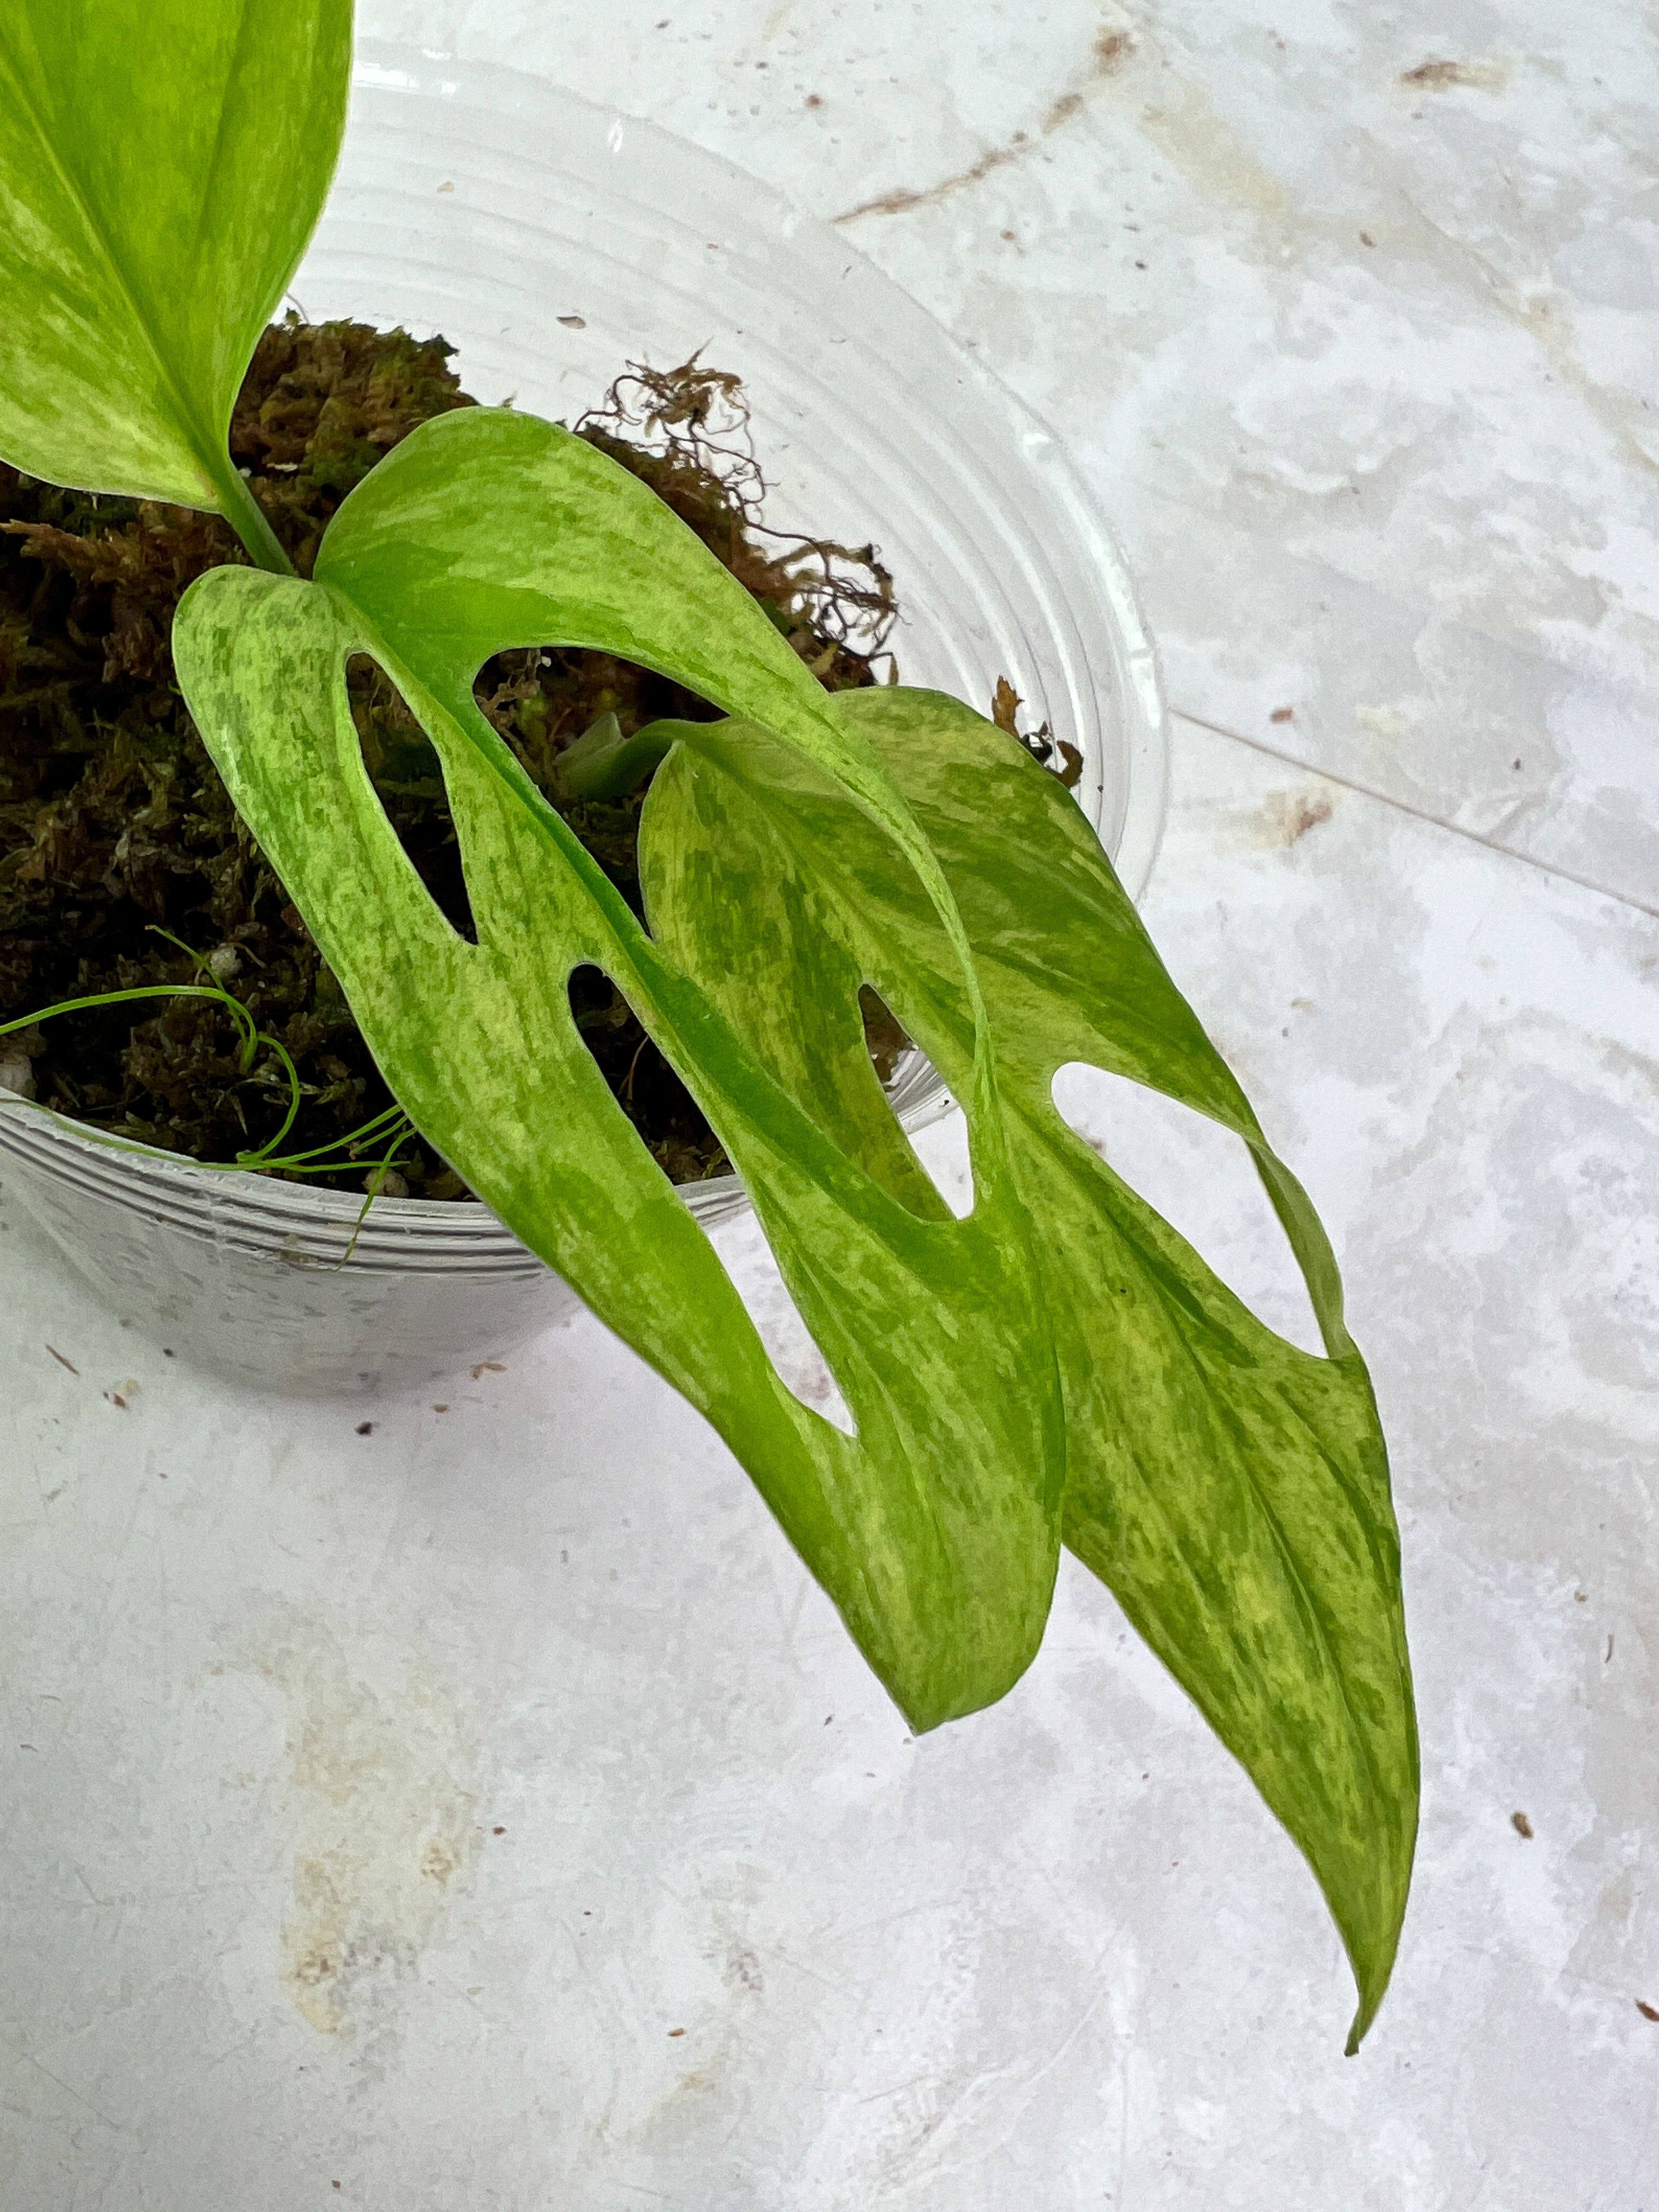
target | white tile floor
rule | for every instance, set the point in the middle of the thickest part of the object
(378, 1807)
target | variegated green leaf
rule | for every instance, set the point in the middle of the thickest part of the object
(936, 1528)
(162, 163)
(1231, 1490)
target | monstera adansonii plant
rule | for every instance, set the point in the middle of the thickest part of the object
(1059, 1367)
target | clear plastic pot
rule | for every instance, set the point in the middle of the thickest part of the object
(552, 242)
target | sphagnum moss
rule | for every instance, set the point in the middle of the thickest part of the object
(114, 824)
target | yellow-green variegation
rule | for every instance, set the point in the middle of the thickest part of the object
(162, 163)
(1057, 1366)
(1231, 1490)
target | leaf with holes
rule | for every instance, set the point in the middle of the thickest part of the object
(1057, 1360)
(1231, 1490)
(936, 1528)
(162, 163)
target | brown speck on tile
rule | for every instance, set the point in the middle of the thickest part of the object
(1289, 816)
(1647, 2011)
(442, 188)
(364, 1428)
(168, 1352)
(814, 99)
(574, 322)
(1282, 715)
(441, 1409)
(1447, 76)
(62, 1362)
(498, 1831)
(1365, 238)
(1521, 1824)
(673, 2031)
(488, 1367)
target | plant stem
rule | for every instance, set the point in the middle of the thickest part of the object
(604, 764)
(246, 518)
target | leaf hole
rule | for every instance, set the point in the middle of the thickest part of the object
(672, 1127)
(1201, 1178)
(669, 1122)
(887, 1040)
(750, 1262)
(912, 1088)
(540, 700)
(407, 777)
(947, 1161)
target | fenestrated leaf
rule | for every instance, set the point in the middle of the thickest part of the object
(162, 163)
(485, 527)
(936, 1528)
(1230, 1489)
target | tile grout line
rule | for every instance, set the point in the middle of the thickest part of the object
(1416, 813)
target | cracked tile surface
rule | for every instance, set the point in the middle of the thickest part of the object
(468, 1813)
